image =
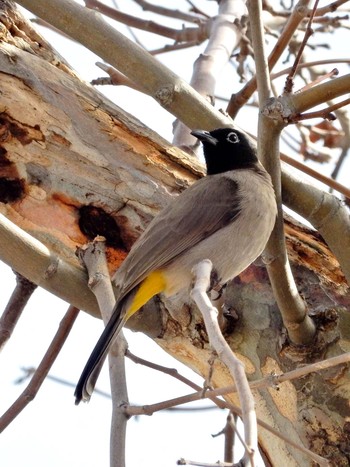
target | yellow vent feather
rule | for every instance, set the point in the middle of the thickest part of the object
(152, 285)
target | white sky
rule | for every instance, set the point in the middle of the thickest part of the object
(52, 431)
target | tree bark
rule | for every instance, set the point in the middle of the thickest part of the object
(73, 165)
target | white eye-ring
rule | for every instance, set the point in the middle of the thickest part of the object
(232, 137)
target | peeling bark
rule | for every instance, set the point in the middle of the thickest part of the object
(72, 163)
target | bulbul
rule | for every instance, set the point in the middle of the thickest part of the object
(226, 217)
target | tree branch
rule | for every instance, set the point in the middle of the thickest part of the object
(177, 14)
(35, 261)
(154, 78)
(18, 300)
(94, 257)
(202, 273)
(298, 14)
(325, 212)
(198, 34)
(223, 39)
(41, 372)
(300, 327)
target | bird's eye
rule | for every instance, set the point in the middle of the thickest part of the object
(232, 137)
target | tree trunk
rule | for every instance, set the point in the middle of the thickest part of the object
(73, 165)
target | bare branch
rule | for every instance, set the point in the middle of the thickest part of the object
(179, 35)
(316, 175)
(316, 95)
(290, 78)
(325, 212)
(323, 113)
(300, 327)
(329, 61)
(94, 257)
(33, 259)
(229, 433)
(330, 8)
(224, 37)
(295, 18)
(168, 371)
(201, 284)
(155, 79)
(171, 47)
(40, 374)
(17, 302)
(177, 14)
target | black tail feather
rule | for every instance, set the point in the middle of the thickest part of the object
(92, 369)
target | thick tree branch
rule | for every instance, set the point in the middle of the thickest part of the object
(163, 85)
(34, 260)
(325, 212)
(223, 39)
(300, 327)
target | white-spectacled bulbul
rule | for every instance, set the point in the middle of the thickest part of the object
(226, 217)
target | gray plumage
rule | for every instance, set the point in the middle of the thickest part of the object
(226, 217)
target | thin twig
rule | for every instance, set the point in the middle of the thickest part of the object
(168, 371)
(295, 18)
(150, 409)
(344, 153)
(269, 381)
(329, 61)
(116, 78)
(15, 306)
(319, 79)
(198, 33)
(29, 371)
(183, 461)
(330, 8)
(316, 175)
(323, 113)
(40, 374)
(177, 14)
(290, 78)
(172, 47)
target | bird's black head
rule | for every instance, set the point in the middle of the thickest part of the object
(226, 149)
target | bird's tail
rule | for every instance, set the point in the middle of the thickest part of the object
(92, 369)
(153, 284)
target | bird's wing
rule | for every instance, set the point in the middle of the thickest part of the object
(202, 209)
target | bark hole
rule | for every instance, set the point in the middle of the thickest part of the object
(95, 221)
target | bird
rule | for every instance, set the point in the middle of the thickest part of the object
(226, 217)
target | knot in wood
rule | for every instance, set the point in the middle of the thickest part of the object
(165, 94)
(277, 109)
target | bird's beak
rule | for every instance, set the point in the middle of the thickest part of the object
(204, 136)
